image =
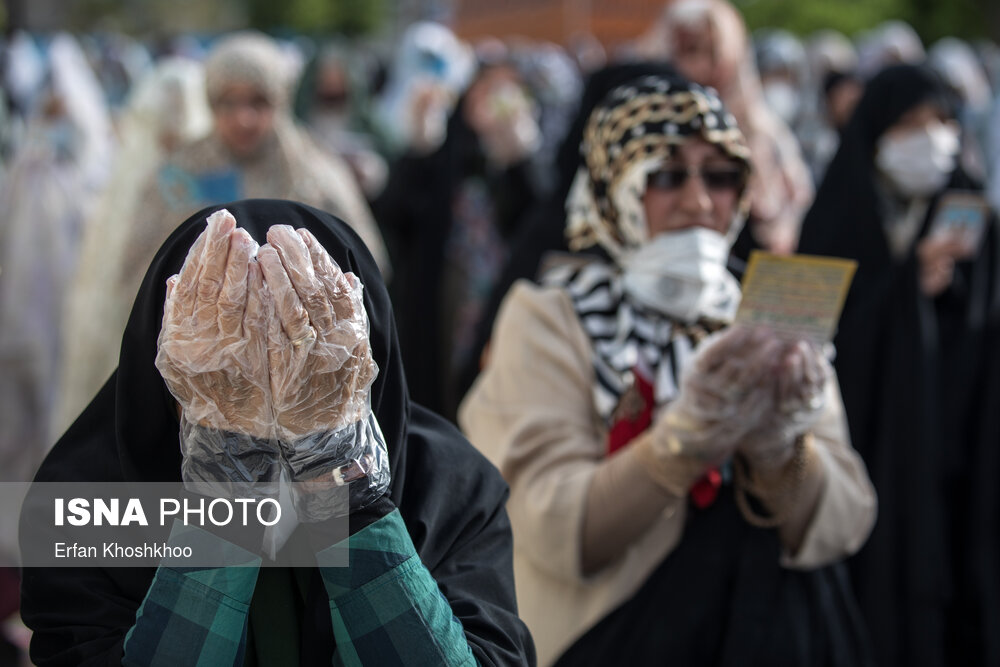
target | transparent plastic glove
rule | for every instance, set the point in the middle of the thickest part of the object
(212, 353)
(321, 373)
(800, 377)
(334, 473)
(724, 394)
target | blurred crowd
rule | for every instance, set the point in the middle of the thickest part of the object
(453, 161)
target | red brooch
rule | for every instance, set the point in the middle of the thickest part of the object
(633, 414)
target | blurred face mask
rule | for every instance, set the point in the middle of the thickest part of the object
(330, 123)
(683, 274)
(919, 163)
(782, 99)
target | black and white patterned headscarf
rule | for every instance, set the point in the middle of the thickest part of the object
(629, 135)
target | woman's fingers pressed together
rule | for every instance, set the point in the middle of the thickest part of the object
(717, 351)
(802, 376)
(213, 266)
(790, 374)
(281, 321)
(289, 310)
(181, 294)
(255, 316)
(749, 376)
(170, 306)
(232, 300)
(756, 362)
(338, 289)
(743, 361)
(936, 248)
(288, 291)
(937, 262)
(297, 260)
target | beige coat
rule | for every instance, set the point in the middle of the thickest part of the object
(531, 413)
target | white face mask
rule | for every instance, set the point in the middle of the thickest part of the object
(920, 162)
(683, 274)
(782, 99)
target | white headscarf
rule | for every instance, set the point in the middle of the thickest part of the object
(429, 57)
(288, 164)
(168, 101)
(250, 58)
(50, 189)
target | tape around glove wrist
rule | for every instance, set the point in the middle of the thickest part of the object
(337, 472)
(227, 463)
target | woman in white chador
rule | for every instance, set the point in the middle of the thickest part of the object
(167, 108)
(51, 185)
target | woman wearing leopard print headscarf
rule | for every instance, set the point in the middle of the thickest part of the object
(682, 491)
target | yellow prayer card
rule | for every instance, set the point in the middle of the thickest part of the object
(795, 295)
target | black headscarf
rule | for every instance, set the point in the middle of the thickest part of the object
(844, 214)
(417, 215)
(910, 371)
(450, 497)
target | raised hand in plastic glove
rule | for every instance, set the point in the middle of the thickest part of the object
(723, 395)
(212, 353)
(799, 377)
(321, 371)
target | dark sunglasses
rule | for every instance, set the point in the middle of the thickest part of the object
(720, 177)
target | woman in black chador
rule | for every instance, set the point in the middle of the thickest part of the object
(430, 510)
(910, 359)
(448, 217)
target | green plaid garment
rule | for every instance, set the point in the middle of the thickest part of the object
(385, 608)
